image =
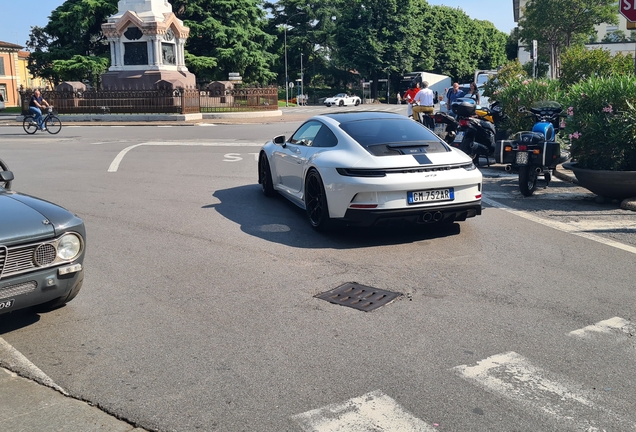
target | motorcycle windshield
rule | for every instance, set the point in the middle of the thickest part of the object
(546, 105)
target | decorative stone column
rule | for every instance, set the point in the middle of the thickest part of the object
(147, 47)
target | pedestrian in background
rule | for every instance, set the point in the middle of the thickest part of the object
(409, 95)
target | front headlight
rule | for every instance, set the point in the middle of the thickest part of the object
(68, 247)
(469, 167)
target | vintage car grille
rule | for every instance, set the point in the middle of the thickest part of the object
(22, 259)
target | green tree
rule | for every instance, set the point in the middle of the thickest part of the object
(73, 31)
(226, 36)
(78, 68)
(546, 22)
(579, 64)
(373, 38)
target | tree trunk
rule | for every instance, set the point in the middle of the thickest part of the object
(374, 85)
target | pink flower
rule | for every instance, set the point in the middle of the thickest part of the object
(525, 82)
(571, 111)
(562, 124)
(575, 135)
(608, 109)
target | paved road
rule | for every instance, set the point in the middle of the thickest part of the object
(199, 308)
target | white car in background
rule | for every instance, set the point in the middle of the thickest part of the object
(1, 102)
(342, 99)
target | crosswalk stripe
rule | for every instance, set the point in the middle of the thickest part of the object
(513, 377)
(606, 326)
(373, 411)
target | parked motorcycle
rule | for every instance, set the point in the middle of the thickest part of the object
(445, 126)
(477, 130)
(535, 153)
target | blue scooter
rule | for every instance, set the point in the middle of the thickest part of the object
(537, 152)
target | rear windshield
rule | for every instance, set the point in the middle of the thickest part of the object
(394, 132)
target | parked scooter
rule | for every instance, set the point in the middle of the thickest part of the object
(476, 135)
(445, 126)
(535, 153)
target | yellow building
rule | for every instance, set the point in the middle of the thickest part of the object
(9, 73)
(27, 80)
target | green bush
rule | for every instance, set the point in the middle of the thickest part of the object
(579, 63)
(524, 92)
(601, 123)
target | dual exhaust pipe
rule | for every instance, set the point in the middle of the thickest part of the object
(432, 217)
(538, 170)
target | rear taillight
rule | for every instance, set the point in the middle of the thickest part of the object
(463, 122)
(522, 147)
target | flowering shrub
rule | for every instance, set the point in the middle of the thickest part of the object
(524, 92)
(601, 123)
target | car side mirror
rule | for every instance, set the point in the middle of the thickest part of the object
(6, 176)
(280, 139)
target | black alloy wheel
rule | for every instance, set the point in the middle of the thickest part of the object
(357, 102)
(341, 103)
(265, 176)
(527, 180)
(316, 202)
(53, 125)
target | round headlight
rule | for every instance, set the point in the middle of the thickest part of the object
(69, 247)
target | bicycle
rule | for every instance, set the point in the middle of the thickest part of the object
(51, 123)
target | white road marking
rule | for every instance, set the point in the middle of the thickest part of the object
(114, 165)
(206, 124)
(568, 228)
(605, 326)
(513, 377)
(14, 358)
(373, 411)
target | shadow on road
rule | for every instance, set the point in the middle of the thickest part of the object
(279, 221)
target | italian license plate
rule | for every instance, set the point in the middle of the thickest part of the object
(6, 304)
(432, 195)
(459, 137)
(522, 158)
(440, 128)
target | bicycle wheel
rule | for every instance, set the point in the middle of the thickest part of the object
(53, 124)
(30, 125)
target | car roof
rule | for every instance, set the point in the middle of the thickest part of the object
(345, 117)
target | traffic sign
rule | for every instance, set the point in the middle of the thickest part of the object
(627, 8)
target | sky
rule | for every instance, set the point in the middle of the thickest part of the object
(18, 16)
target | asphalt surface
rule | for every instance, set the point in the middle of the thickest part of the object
(30, 401)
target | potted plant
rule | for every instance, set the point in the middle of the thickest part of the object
(601, 128)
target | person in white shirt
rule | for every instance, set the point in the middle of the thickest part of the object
(423, 103)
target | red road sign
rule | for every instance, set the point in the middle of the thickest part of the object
(628, 9)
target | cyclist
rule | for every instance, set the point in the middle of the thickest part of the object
(36, 105)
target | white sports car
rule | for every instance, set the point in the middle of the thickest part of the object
(370, 168)
(342, 99)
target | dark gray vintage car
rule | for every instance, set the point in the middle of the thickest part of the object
(42, 249)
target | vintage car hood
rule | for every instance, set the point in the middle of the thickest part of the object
(24, 218)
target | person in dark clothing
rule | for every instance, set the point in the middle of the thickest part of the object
(36, 105)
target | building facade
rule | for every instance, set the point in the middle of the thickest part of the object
(9, 73)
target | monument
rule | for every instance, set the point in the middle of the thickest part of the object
(147, 43)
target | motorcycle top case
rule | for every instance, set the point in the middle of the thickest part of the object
(503, 152)
(464, 107)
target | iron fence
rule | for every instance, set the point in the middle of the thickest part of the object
(182, 101)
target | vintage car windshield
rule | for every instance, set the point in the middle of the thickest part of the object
(394, 132)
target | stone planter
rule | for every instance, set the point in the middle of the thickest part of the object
(609, 184)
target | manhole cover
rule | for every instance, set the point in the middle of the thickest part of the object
(358, 296)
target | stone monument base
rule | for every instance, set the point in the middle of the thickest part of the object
(147, 80)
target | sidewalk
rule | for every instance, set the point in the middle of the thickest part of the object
(26, 405)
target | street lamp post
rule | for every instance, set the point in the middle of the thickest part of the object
(286, 76)
(302, 93)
